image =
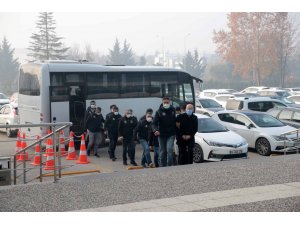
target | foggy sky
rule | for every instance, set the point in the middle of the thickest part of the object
(146, 32)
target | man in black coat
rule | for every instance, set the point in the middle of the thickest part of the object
(112, 121)
(164, 126)
(187, 124)
(127, 128)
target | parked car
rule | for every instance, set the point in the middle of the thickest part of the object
(253, 89)
(245, 95)
(261, 104)
(222, 99)
(289, 116)
(262, 131)
(207, 106)
(273, 92)
(9, 116)
(229, 90)
(3, 99)
(214, 142)
(293, 91)
(294, 98)
(210, 93)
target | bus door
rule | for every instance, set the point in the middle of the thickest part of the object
(77, 108)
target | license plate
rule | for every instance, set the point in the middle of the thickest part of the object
(235, 151)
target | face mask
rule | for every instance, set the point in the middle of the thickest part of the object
(149, 119)
(98, 113)
(128, 115)
(189, 112)
(93, 106)
(116, 113)
(166, 105)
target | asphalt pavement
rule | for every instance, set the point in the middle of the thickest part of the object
(107, 189)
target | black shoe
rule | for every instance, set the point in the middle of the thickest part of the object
(113, 158)
(134, 163)
(88, 152)
(125, 163)
(98, 156)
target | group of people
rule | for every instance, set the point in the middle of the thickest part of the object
(168, 127)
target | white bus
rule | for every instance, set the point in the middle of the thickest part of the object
(63, 90)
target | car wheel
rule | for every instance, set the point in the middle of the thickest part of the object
(263, 147)
(9, 133)
(198, 154)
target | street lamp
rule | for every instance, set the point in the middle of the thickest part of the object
(185, 37)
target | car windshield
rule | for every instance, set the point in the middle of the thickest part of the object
(209, 125)
(265, 120)
(209, 103)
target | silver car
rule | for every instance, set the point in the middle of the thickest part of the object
(9, 116)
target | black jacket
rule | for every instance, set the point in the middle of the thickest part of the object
(94, 122)
(87, 114)
(144, 130)
(188, 124)
(164, 121)
(127, 127)
(112, 123)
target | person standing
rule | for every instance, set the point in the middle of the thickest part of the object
(143, 132)
(112, 121)
(94, 126)
(187, 124)
(89, 111)
(128, 124)
(148, 111)
(164, 127)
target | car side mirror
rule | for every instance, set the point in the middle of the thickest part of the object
(249, 126)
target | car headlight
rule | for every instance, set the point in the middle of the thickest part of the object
(280, 138)
(213, 143)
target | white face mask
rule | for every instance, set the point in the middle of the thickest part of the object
(116, 113)
(149, 119)
(93, 106)
(98, 113)
(166, 105)
(128, 115)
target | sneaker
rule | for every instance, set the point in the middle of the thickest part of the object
(98, 156)
(88, 152)
(134, 163)
(151, 165)
(144, 165)
(113, 158)
(125, 163)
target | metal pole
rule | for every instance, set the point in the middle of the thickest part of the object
(59, 158)
(15, 169)
(24, 167)
(297, 141)
(54, 149)
(41, 163)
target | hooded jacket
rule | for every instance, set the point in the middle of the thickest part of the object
(164, 121)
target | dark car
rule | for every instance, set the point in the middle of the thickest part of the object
(289, 115)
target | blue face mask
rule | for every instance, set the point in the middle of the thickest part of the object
(189, 112)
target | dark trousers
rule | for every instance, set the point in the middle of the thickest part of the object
(128, 147)
(113, 139)
(186, 149)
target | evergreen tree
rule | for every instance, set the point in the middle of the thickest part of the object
(115, 54)
(194, 64)
(127, 55)
(143, 61)
(9, 68)
(46, 44)
(118, 56)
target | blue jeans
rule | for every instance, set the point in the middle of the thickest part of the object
(166, 145)
(146, 158)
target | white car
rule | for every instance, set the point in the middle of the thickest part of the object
(253, 89)
(207, 106)
(293, 91)
(261, 130)
(9, 116)
(214, 142)
(210, 93)
(223, 98)
(3, 99)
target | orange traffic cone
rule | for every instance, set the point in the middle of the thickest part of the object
(18, 145)
(50, 159)
(48, 143)
(71, 149)
(82, 155)
(37, 157)
(62, 144)
(23, 156)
